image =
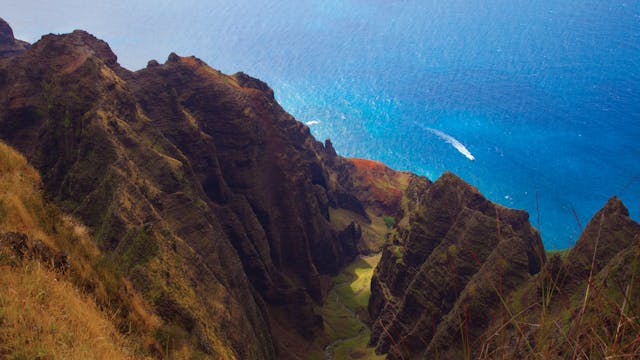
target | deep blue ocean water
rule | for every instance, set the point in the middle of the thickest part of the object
(544, 94)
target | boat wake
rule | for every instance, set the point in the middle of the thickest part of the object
(453, 141)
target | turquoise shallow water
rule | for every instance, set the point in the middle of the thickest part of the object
(544, 94)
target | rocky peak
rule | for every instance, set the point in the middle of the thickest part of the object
(249, 82)
(8, 44)
(172, 58)
(69, 52)
(608, 232)
(448, 258)
(99, 47)
(227, 216)
(329, 149)
(614, 206)
(6, 33)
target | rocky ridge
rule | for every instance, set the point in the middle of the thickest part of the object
(205, 192)
(211, 199)
(445, 263)
(465, 278)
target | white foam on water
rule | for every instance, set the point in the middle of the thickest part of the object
(453, 141)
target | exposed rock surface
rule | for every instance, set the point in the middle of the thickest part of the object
(465, 277)
(24, 247)
(377, 186)
(607, 234)
(371, 192)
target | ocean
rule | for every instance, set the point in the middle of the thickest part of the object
(536, 103)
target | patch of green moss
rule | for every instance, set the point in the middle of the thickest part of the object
(356, 348)
(353, 284)
(389, 221)
(398, 252)
(67, 121)
(339, 323)
(137, 247)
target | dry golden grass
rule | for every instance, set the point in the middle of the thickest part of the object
(45, 317)
(20, 189)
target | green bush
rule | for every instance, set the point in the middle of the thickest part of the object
(390, 221)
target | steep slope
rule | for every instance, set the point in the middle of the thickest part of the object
(371, 194)
(210, 198)
(435, 286)
(68, 111)
(378, 187)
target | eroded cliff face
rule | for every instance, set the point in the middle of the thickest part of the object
(206, 194)
(449, 265)
(67, 109)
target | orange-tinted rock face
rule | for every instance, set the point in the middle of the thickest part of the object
(379, 187)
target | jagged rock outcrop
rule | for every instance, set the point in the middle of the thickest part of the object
(607, 234)
(66, 108)
(377, 186)
(24, 247)
(455, 258)
(8, 44)
(464, 277)
(583, 302)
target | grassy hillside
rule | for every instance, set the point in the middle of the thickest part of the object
(45, 317)
(78, 308)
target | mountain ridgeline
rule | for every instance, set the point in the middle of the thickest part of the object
(218, 216)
